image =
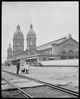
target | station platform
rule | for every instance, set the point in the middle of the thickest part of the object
(63, 76)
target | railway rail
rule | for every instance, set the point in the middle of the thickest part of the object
(70, 92)
(22, 91)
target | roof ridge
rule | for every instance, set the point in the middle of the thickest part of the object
(69, 39)
(52, 41)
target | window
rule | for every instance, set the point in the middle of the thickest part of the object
(31, 43)
(18, 44)
(44, 58)
(70, 54)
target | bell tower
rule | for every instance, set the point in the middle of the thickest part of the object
(18, 41)
(9, 51)
(31, 40)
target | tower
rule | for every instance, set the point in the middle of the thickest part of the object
(18, 41)
(31, 40)
(9, 51)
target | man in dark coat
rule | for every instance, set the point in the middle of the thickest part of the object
(18, 66)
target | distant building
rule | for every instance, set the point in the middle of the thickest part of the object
(63, 48)
(9, 52)
(18, 41)
(31, 40)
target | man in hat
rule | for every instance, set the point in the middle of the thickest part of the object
(18, 67)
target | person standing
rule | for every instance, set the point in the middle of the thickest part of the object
(27, 67)
(18, 67)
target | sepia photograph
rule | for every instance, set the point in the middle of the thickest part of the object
(40, 49)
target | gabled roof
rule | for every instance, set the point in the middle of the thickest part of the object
(48, 45)
(67, 40)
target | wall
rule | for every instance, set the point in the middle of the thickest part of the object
(68, 45)
(71, 62)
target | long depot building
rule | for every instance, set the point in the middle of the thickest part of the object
(63, 48)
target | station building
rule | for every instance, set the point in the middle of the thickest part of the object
(63, 48)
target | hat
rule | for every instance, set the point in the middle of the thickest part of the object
(18, 59)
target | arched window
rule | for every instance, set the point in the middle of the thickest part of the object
(70, 51)
(63, 55)
(44, 58)
(70, 54)
(31, 42)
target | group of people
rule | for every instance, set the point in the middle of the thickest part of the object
(25, 67)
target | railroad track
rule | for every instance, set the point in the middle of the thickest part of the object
(64, 90)
(26, 95)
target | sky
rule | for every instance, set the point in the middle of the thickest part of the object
(51, 21)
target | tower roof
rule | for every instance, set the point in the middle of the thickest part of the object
(31, 32)
(18, 33)
(18, 27)
(31, 26)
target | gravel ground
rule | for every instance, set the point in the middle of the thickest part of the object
(65, 76)
(12, 94)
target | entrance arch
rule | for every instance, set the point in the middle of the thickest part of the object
(44, 58)
(63, 55)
